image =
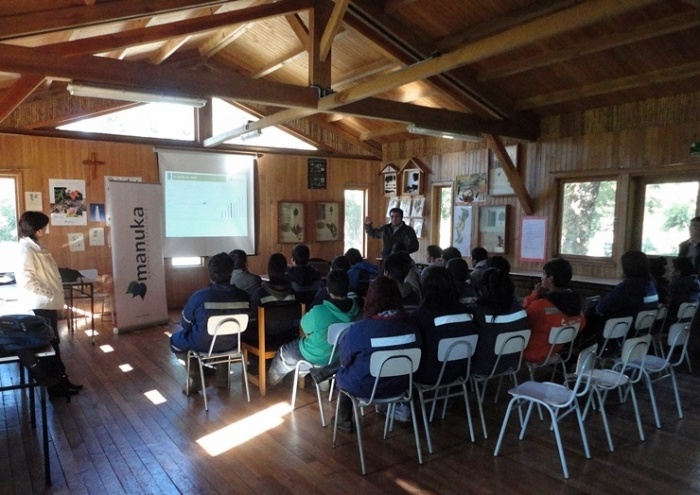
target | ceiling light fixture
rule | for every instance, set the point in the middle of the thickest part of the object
(251, 135)
(416, 129)
(117, 93)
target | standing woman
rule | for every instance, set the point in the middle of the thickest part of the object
(39, 282)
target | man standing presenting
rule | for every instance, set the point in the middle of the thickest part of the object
(691, 247)
(394, 232)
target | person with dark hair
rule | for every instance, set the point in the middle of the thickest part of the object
(500, 263)
(496, 311)
(551, 304)
(459, 269)
(340, 262)
(394, 231)
(301, 275)
(635, 293)
(313, 346)
(691, 248)
(434, 258)
(450, 253)
(440, 315)
(361, 272)
(412, 278)
(397, 267)
(275, 291)
(218, 298)
(241, 277)
(40, 289)
(480, 258)
(684, 287)
(385, 326)
(658, 267)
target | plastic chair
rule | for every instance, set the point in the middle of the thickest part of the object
(685, 314)
(303, 367)
(615, 328)
(558, 399)
(399, 362)
(449, 350)
(644, 322)
(558, 336)
(678, 336)
(216, 327)
(657, 330)
(605, 380)
(506, 343)
(273, 315)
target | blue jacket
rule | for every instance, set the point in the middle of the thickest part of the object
(215, 299)
(629, 297)
(490, 326)
(362, 270)
(389, 330)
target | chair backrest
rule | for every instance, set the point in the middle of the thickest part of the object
(678, 337)
(634, 350)
(563, 335)
(580, 361)
(584, 366)
(686, 311)
(512, 342)
(226, 325)
(616, 328)
(644, 321)
(279, 320)
(589, 303)
(335, 330)
(457, 348)
(395, 362)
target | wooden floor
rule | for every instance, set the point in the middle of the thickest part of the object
(113, 439)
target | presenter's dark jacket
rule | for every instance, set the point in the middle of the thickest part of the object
(404, 234)
(213, 300)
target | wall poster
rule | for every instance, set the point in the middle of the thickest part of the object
(67, 198)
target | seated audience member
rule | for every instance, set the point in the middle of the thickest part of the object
(241, 277)
(412, 277)
(480, 259)
(684, 287)
(450, 253)
(635, 293)
(459, 269)
(434, 258)
(397, 267)
(361, 272)
(439, 316)
(313, 346)
(219, 297)
(496, 311)
(658, 267)
(385, 326)
(276, 291)
(338, 263)
(551, 304)
(500, 263)
(302, 275)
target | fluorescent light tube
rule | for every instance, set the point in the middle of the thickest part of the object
(416, 129)
(116, 93)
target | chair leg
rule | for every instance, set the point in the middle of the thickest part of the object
(358, 426)
(479, 399)
(245, 379)
(560, 447)
(294, 387)
(652, 399)
(320, 404)
(636, 412)
(675, 392)
(504, 425)
(468, 411)
(204, 385)
(603, 415)
(584, 438)
(415, 431)
(429, 440)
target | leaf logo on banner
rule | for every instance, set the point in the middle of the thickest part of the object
(137, 289)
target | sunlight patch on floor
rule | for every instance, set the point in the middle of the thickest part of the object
(91, 333)
(125, 367)
(155, 397)
(106, 348)
(412, 487)
(241, 431)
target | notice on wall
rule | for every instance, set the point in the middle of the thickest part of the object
(97, 236)
(533, 239)
(76, 242)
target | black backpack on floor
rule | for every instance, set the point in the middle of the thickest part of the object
(22, 336)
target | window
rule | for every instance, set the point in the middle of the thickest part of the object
(187, 261)
(443, 223)
(668, 207)
(8, 222)
(355, 212)
(588, 218)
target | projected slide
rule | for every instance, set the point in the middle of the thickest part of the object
(205, 205)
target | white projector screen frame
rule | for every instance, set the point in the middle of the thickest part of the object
(209, 202)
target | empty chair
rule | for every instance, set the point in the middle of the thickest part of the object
(449, 350)
(558, 337)
(218, 326)
(644, 322)
(623, 377)
(99, 295)
(506, 343)
(303, 367)
(655, 368)
(384, 364)
(558, 399)
(614, 329)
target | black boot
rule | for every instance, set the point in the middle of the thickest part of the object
(72, 386)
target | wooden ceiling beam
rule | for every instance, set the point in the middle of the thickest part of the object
(653, 29)
(134, 37)
(611, 86)
(299, 28)
(332, 27)
(319, 68)
(142, 75)
(577, 16)
(52, 20)
(17, 93)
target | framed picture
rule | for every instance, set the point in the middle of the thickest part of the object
(498, 182)
(418, 207)
(393, 203)
(405, 206)
(492, 228)
(390, 181)
(317, 173)
(462, 230)
(290, 222)
(470, 189)
(412, 182)
(326, 222)
(417, 224)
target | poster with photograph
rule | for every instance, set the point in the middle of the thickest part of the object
(462, 231)
(470, 189)
(67, 202)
